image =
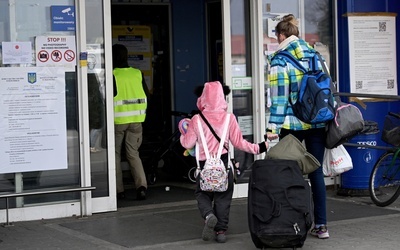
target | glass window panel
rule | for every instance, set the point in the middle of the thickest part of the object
(242, 97)
(22, 21)
(318, 28)
(96, 96)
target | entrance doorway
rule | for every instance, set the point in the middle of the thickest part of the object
(156, 62)
(157, 128)
(161, 151)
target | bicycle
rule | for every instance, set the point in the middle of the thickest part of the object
(384, 182)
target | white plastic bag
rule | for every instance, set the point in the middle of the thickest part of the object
(336, 161)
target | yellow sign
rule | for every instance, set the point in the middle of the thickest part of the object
(138, 41)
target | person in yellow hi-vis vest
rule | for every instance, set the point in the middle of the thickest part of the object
(130, 104)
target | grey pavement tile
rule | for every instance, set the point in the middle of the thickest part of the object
(353, 222)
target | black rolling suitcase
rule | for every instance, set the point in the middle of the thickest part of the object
(280, 209)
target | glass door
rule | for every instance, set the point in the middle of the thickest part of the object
(241, 70)
(100, 110)
(54, 98)
(40, 135)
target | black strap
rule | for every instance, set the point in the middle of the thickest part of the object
(211, 129)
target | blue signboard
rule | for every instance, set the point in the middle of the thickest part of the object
(63, 18)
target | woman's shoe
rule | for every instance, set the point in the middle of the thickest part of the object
(320, 232)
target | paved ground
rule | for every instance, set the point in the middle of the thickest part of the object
(354, 223)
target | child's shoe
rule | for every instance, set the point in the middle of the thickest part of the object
(208, 230)
(221, 237)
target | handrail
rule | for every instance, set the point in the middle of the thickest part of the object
(44, 191)
(395, 97)
(367, 146)
(38, 192)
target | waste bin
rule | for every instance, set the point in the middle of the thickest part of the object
(355, 182)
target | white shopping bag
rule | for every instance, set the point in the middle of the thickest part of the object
(336, 161)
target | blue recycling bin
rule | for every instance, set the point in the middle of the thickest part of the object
(356, 181)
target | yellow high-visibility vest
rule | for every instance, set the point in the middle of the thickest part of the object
(130, 103)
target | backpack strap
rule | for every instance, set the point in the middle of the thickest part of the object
(222, 142)
(203, 140)
(294, 61)
(290, 58)
(211, 128)
(313, 63)
(197, 159)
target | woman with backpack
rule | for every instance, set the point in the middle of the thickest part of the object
(215, 206)
(283, 76)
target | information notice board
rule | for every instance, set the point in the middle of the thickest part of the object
(33, 119)
(372, 53)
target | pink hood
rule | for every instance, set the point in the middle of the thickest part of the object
(212, 99)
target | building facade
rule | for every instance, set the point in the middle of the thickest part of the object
(57, 92)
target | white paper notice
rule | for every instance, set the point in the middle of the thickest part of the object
(372, 46)
(17, 52)
(246, 124)
(33, 119)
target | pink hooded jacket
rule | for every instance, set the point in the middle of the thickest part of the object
(214, 108)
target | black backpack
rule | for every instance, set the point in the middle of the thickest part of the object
(280, 208)
(315, 102)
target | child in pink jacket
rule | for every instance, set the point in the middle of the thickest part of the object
(215, 206)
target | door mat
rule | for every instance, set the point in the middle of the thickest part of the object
(157, 195)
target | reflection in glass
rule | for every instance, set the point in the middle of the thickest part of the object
(318, 31)
(96, 97)
(241, 67)
(23, 21)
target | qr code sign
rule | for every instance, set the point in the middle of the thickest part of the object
(382, 26)
(359, 84)
(390, 83)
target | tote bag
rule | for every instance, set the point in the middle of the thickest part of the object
(336, 161)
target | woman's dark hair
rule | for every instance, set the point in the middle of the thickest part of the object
(199, 90)
(288, 26)
(120, 56)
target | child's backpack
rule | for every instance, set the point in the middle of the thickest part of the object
(315, 102)
(214, 175)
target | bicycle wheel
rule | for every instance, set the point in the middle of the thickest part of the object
(384, 182)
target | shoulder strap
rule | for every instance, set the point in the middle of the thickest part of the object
(211, 128)
(325, 69)
(297, 65)
(203, 139)
(292, 60)
(222, 142)
(197, 156)
(313, 62)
